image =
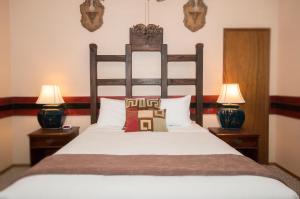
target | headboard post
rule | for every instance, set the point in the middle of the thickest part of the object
(93, 83)
(164, 70)
(199, 84)
(128, 54)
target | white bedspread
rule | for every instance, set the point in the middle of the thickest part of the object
(179, 141)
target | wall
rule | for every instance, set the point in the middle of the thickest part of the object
(5, 143)
(287, 134)
(287, 143)
(289, 42)
(4, 49)
(49, 45)
(5, 87)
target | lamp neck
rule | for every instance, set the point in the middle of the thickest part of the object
(52, 106)
(231, 105)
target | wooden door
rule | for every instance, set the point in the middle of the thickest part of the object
(246, 61)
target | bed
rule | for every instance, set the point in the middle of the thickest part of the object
(180, 141)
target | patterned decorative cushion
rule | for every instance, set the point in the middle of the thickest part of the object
(142, 104)
(146, 120)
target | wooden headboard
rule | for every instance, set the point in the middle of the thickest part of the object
(141, 39)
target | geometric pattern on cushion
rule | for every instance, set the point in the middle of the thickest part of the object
(142, 104)
(146, 120)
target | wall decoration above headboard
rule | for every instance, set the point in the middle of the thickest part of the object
(140, 43)
(92, 14)
(194, 14)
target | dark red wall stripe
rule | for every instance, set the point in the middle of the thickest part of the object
(6, 113)
(25, 106)
(285, 105)
(288, 113)
(84, 99)
(5, 101)
(285, 99)
(23, 100)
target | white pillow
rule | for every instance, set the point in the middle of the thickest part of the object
(112, 113)
(178, 110)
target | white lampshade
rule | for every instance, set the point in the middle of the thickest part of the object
(50, 94)
(230, 94)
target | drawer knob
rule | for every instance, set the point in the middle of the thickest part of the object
(49, 141)
(238, 141)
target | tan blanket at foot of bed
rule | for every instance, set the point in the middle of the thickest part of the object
(153, 165)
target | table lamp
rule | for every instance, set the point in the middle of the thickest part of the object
(52, 114)
(230, 115)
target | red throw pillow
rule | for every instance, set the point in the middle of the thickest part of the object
(141, 104)
(146, 120)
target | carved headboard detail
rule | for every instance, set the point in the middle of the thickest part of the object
(146, 37)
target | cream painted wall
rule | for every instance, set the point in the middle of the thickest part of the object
(285, 134)
(286, 143)
(272, 137)
(5, 124)
(289, 42)
(49, 45)
(4, 49)
(5, 143)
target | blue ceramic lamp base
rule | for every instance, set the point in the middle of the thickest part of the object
(231, 117)
(51, 117)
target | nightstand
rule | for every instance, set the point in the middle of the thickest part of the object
(45, 142)
(242, 140)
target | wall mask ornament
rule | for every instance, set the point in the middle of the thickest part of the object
(194, 14)
(92, 14)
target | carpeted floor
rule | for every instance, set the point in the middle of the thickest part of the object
(11, 175)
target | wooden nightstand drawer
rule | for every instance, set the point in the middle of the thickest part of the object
(243, 140)
(56, 142)
(44, 142)
(239, 143)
